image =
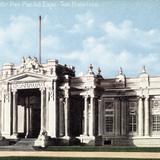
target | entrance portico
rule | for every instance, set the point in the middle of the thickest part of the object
(28, 109)
(29, 101)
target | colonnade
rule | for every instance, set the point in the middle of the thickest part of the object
(143, 124)
(52, 113)
(88, 116)
(43, 116)
(15, 113)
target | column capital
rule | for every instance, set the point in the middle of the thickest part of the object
(146, 97)
(92, 96)
(14, 91)
(42, 89)
(140, 97)
(55, 80)
(85, 96)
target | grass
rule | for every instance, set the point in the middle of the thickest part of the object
(102, 149)
(55, 158)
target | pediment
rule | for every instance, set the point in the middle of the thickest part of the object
(27, 77)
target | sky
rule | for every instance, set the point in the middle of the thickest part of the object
(106, 33)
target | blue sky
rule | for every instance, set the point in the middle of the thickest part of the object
(106, 33)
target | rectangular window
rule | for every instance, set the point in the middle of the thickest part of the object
(109, 117)
(156, 123)
(132, 116)
(132, 123)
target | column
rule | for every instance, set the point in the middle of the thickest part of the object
(85, 115)
(91, 121)
(2, 113)
(140, 117)
(54, 109)
(27, 122)
(30, 121)
(100, 118)
(25, 119)
(66, 121)
(47, 110)
(123, 116)
(146, 116)
(42, 108)
(117, 116)
(61, 117)
(15, 125)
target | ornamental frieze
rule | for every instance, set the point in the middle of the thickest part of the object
(27, 85)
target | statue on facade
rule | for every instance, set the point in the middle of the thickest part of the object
(121, 78)
(30, 65)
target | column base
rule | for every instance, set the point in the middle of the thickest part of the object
(64, 141)
(90, 140)
(14, 136)
(65, 137)
(5, 135)
(146, 141)
(53, 137)
(51, 134)
(147, 135)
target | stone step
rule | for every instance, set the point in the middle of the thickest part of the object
(25, 142)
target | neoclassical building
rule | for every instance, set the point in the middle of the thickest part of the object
(48, 100)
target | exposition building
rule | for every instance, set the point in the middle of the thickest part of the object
(48, 100)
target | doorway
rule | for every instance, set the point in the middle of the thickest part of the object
(28, 110)
(76, 115)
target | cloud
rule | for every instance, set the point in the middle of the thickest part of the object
(20, 38)
(121, 45)
(126, 35)
(105, 44)
(121, 31)
(84, 23)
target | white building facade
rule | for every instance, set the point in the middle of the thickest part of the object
(49, 100)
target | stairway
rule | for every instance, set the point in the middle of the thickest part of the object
(25, 144)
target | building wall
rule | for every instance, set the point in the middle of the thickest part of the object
(115, 111)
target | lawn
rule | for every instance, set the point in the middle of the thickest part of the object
(103, 148)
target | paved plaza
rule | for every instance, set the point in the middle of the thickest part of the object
(144, 155)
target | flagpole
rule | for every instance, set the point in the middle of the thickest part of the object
(40, 39)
